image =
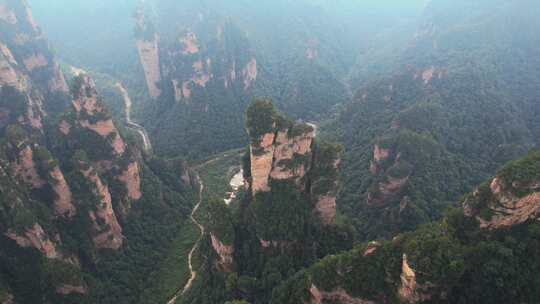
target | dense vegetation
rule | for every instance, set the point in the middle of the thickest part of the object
(455, 262)
(448, 124)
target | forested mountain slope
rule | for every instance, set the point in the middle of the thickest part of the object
(483, 252)
(77, 197)
(464, 101)
(203, 62)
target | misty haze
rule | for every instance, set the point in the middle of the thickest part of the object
(269, 152)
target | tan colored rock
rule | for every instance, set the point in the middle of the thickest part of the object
(186, 91)
(149, 57)
(25, 168)
(225, 253)
(22, 38)
(105, 128)
(509, 210)
(325, 208)
(8, 75)
(36, 238)
(371, 248)
(63, 204)
(339, 295)
(178, 94)
(64, 127)
(9, 299)
(7, 15)
(190, 44)
(109, 234)
(285, 150)
(380, 154)
(427, 75)
(132, 180)
(250, 73)
(35, 61)
(58, 83)
(407, 289)
(261, 163)
(30, 17)
(6, 52)
(66, 289)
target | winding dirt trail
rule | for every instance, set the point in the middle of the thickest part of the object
(147, 145)
(193, 273)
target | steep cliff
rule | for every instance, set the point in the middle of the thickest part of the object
(72, 187)
(511, 198)
(282, 152)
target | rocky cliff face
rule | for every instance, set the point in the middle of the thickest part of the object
(506, 201)
(225, 253)
(282, 151)
(108, 233)
(36, 238)
(148, 47)
(91, 114)
(337, 296)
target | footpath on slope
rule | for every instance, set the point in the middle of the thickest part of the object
(147, 145)
(193, 273)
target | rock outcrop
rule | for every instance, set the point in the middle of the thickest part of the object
(35, 237)
(250, 73)
(337, 296)
(225, 253)
(66, 289)
(280, 156)
(92, 115)
(108, 233)
(505, 208)
(262, 156)
(132, 180)
(63, 204)
(148, 47)
(25, 168)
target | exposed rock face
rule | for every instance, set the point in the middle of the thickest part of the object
(261, 163)
(66, 289)
(8, 74)
(149, 57)
(7, 15)
(35, 61)
(64, 127)
(190, 43)
(427, 75)
(63, 204)
(288, 148)
(86, 104)
(108, 231)
(36, 238)
(371, 248)
(274, 155)
(25, 168)
(337, 296)
(326, 209)
(225, 252)
(380, 154)
(507, 208)
(407, 289)
(9, 299)
(250, 73)
(131, 178)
